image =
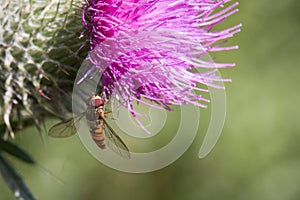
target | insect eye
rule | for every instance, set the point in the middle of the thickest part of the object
(96, 102)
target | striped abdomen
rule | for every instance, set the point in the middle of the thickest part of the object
(96, 129)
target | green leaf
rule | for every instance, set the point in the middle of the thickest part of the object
(15, 151)
(14, 181)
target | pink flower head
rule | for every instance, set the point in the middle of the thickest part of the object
(147, 49)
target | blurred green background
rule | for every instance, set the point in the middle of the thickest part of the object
(257, 156)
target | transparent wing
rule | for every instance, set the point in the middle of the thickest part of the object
(114, 142)
(114, 106)
(66, 128)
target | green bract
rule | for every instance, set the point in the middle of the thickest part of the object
(39, 57)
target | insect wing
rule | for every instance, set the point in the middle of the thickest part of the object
(66, 128)
(114, 142)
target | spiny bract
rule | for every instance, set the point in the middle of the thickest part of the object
(38, 58)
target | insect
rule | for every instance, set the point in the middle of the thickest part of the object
(100, 130)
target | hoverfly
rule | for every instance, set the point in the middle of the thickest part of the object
(100, 130)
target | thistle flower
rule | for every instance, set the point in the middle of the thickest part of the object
(149, 48)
